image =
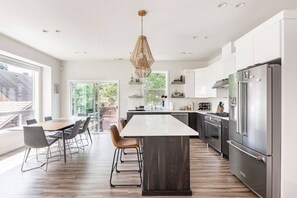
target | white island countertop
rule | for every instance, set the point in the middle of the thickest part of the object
(156, 125)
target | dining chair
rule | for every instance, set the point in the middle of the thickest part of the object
(31, 121)
(121, 126)
(119, 144)
(34, 137)
(83, 130)
(48, 118)
(70, 135)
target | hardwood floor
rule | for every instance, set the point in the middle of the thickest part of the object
(87, 175)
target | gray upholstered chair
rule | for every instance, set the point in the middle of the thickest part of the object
(34, 137)
(84, 130)
(32, 121)
(70, 135)
(48, 118)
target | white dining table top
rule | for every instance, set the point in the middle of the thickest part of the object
(156, 125)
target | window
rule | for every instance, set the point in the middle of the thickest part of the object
(17, 89)
(155, 86)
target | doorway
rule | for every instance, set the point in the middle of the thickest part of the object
(98, 99)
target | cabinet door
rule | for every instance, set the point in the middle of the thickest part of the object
(193, 121)
(267, 44)
(244, 53)
(229, 66)
(212, 77)
(200, 126)
(225, 137)
(200, 83)
(189, 83)
(183, 117)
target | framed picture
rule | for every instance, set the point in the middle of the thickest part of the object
(56, 88)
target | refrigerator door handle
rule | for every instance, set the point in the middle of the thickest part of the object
(242, 107)
(259, 158)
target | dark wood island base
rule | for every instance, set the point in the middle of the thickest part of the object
(166, 166)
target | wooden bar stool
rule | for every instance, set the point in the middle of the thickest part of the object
(123, 143)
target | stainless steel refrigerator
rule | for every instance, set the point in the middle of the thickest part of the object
(255, 128)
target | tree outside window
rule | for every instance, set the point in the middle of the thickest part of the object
(154, 87)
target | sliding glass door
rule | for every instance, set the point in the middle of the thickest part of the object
(97, 99)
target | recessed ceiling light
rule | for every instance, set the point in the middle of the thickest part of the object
(45, 31)
(190, 53)
(194, 37)
(76, 52)
(58, 31)
(183, 53)
(240, 5)
(207, 37)
(222, 5)
(85, 52)
(119, 59)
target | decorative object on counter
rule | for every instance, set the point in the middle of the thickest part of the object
(204, 106)
(163, 97)
(220, 107)
(179, 80)
(141, 57)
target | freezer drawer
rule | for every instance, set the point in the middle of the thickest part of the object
(251, 167)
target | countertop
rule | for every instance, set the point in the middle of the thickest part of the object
(156, 125)
(168, 111)
(174, 111)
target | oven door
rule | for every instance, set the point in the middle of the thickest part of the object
(213, 134)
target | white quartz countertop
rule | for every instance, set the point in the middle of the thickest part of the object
(168, 111)
(156, 125)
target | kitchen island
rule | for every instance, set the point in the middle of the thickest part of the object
(166, 153)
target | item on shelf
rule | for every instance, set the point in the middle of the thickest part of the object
(204, 106)
(179, 80)
(177, 94)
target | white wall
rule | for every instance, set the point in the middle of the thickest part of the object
(15, 49)
(116, 70)
(9, 47)
(289, 109)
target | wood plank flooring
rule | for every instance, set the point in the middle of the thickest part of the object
(87, 175)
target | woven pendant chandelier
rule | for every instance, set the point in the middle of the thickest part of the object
(141, 57)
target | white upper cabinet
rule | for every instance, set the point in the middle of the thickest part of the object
(244, 53)
(201, 80)
(229, 66)
(212, 73)
(189, 83)
(267, 44)
(261, 45)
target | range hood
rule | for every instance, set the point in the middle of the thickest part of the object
(224, 83)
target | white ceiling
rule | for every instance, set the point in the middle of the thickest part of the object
(108, 29)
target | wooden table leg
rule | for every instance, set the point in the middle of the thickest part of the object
(64, 145)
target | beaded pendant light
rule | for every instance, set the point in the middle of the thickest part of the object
(141, 57)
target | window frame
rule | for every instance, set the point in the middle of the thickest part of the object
(166, 83)
(36, 84)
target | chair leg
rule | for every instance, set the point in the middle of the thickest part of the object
(47, 156)
(27, 151)
(89, 135)
(112, 168)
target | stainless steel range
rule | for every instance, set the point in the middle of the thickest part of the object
(213, 129)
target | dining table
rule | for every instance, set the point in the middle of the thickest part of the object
(166, 153)
(59, 124)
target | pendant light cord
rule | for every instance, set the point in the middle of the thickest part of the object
(142, 25)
